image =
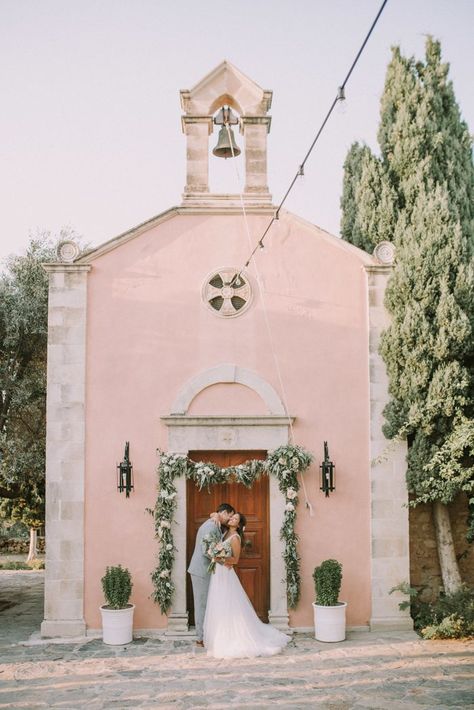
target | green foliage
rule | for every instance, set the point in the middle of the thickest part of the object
(429, 350)
(376, 204)
(285, 463)
(36, 564)
(470, 521)
(368, 202)
(350, 229)
(14, 564)
(13, 530)
(411, 593)
(23, 344)
(117, 587)
(327, 581)
(422, 137)
(452, 616)
(23, 341)
(420, 195)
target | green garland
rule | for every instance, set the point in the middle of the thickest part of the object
(284, 463)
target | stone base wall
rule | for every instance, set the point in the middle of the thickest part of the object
(15, 546)
(425, 573)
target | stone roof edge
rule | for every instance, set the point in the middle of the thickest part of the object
(124, 237)
(117, 241)
(220, 69)
(367, 260)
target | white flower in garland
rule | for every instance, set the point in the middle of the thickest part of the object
(289, 506)
(165, 573)
(291, 494)
(167, 495)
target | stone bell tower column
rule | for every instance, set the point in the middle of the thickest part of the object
(197, 130)
(255, 129)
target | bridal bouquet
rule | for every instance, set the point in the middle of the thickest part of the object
(216, 550)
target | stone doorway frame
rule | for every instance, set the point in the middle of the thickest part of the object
(228, 433)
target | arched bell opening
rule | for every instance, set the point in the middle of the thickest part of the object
(226, 149)
(225, 100)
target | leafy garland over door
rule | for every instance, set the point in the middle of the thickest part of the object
(285, 463)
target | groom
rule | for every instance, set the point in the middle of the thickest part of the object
(200, 577)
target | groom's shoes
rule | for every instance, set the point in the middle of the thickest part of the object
(200, 643)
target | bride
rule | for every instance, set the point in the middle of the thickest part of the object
(232, 629)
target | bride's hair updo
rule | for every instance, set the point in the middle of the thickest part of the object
(241, 526)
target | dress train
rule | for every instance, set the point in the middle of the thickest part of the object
(232, 629)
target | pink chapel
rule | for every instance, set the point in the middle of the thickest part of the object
(154, 341)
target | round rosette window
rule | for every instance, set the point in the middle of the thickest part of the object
(227, 293)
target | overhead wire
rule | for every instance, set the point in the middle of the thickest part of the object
(340, 96)
(266, 318)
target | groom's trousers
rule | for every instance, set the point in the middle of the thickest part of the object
(200, 590)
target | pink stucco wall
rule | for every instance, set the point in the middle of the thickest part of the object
(148, 333)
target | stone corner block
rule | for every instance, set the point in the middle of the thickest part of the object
(51, 628)
(177, 623)
(280, 621)
(392, 624)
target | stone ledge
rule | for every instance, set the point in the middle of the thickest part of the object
(216, 203)
(212, 421)
(64, 266)
(379, 268)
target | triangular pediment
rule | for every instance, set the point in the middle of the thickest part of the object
(226, 85)
(331, 240)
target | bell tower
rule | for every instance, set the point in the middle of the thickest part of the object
(204, 106)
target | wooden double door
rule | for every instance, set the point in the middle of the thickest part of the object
(253, 568)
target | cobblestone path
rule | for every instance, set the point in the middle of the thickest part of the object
(390, 671)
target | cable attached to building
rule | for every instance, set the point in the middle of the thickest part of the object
(340, 96)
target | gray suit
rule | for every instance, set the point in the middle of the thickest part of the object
(200, 577)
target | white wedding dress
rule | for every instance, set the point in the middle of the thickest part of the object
(232, 629)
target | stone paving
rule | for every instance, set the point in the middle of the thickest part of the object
(390, 671)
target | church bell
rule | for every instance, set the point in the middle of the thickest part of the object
(226, 146)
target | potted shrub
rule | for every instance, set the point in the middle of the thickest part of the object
(117, 613)
(329, 612)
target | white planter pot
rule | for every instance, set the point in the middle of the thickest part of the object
(117, 625)
(330, 622)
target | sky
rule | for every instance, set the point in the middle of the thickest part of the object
(90, 125)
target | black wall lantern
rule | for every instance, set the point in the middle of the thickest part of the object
(125, 473)
(327, 473)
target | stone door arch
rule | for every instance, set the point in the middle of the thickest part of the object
(228, 433)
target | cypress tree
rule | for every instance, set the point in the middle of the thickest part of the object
(376, 204)
(423, 139)
(428, 350)
(429, 347)
(352, 173)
